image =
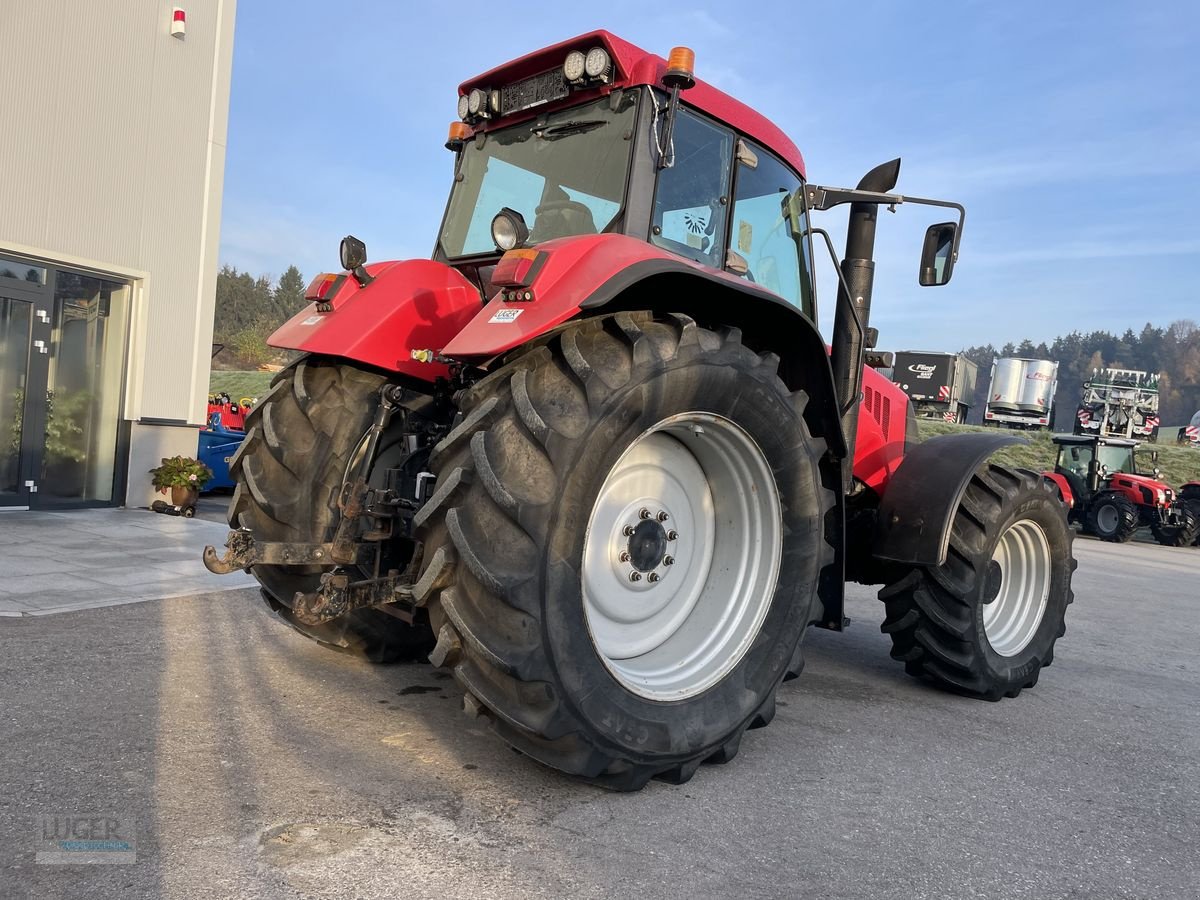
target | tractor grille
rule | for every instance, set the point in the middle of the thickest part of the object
(879, 406)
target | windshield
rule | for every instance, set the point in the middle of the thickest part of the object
(1076, 457)
(564, 173)
(1117, 459)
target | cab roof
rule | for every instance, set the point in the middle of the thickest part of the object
(634, 66)
(1092, 439)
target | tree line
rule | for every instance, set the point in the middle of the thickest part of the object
(248, 309)
(1173, 352)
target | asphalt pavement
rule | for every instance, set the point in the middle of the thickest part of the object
(257, 764)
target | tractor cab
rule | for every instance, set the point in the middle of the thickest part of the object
(1086, 461)
(578, 140)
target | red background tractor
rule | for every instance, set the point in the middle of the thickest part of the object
(1098, 477)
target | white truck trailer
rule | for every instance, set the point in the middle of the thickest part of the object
(940, 385)
(1021, 393)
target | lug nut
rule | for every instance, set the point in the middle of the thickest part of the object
(662, 516)
(643, 513)
(668, 560)
(652, 577)
(635, 576)
(627, 531)
(672, 535)
(623, 556)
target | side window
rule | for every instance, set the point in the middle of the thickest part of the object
(692, 196)
(769, 234)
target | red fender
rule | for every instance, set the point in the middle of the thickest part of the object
(565, 274)
(416, 304)
(1064, 488)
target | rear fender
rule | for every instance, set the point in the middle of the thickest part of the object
(917, 510)
(416, 304)
(1062, 486)
(606, 273)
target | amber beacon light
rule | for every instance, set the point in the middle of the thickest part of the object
(681, 69)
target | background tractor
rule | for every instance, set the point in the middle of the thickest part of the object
(1109, 498)
(595, 458)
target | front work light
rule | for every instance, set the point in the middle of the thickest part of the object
(464, 108)
(477, 103)
(509, 230)
(574, 67)
(598, 63)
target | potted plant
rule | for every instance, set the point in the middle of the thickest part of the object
(184, 476)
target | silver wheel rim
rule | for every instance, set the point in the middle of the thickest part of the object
(1106, 518)
(1011, 619)
(681, 556)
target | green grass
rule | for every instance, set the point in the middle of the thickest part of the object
(239, 384)
(1178, 464)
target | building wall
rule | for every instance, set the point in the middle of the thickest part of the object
(112, 158)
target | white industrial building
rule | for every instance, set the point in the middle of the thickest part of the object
(112, 159)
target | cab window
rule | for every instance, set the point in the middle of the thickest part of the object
(692, 195)
(770, 227)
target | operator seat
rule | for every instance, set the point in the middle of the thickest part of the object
(560, 216)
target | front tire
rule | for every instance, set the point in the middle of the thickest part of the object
(1112, 517)
(1187, 529)
(984, 623)
(548, 502)
(289, 471)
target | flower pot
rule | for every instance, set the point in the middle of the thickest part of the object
(184, 496)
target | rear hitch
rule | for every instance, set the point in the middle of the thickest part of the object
(338, 595)
(242, 552)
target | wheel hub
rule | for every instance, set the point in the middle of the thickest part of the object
(1020, 574)
(647, 546)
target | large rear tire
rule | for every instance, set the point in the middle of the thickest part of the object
(289, 471)
(984, 623)
(1112, 517)
(623, 550)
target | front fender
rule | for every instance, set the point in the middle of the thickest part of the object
(416, 304)
(917, 511)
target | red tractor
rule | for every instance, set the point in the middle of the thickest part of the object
(595, 458)
(1099, 480)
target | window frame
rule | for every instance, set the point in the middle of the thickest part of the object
(761, 152)
(730, 189)
(616, 226)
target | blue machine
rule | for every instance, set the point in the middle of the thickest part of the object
(217, 447)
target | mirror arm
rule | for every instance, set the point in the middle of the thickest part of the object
(822, 198)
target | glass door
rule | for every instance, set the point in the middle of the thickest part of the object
(24, 355)
(82, 395)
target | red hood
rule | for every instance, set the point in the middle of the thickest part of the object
(1143, 480)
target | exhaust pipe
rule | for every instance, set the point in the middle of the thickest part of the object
(853, 311)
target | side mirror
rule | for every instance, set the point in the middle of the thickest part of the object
(937, 256)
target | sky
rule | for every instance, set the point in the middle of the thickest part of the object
(1070, 131)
